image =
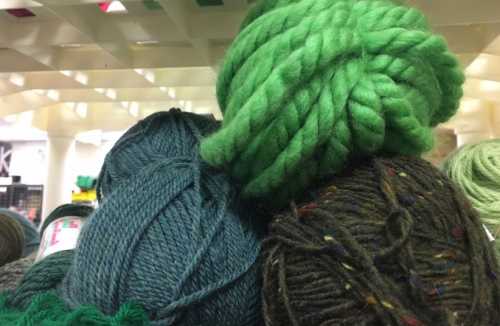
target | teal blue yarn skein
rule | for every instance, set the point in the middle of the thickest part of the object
(170, 233)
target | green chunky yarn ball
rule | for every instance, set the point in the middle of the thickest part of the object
(309, 84)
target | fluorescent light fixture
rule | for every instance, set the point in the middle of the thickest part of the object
(489, 86)
(125, 104)
(134, 109)
(164, 89)
(82, 78)
(100, 90)
(148, 42)
(82, 110)
(53, 94)
(171, 93)
(17, 79)
(66, 72)
(111, 93)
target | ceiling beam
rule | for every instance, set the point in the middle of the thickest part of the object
(177, 11)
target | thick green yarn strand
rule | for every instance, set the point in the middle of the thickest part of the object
(476, 169)
(48, 309)
(309, 84)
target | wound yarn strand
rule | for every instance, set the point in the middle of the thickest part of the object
(308, 85)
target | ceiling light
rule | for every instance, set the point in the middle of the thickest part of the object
(134, 109)
(139, 71)
(53, 95)
(111, 93)
(71, 105)
(17, 79)
(112, 7)
(66, 72)
(82, 110)
(171, 93)
(163, 89)
(189, 106)
(82, 78)
(125, 104)
(100, 90)
(147, 42)
(478, 66)
(489, 86)
(150, 76)
(181, 103)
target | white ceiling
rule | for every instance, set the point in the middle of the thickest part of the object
(125, 66)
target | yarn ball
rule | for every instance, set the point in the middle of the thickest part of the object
(13, 272)
(308, 85)
(47, 273)
(169, 234)
(11, 239)
(31, 235)
(128, 156)
(476, 169)
(389, 242)
(66, 210)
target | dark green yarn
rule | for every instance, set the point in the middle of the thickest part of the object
(48, 309)
(65, 210)
(390, 242)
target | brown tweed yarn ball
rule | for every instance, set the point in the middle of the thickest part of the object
(390, 242)
(11, 240)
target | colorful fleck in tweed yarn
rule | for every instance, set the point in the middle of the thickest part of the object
(390, 242)
(308, 85)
